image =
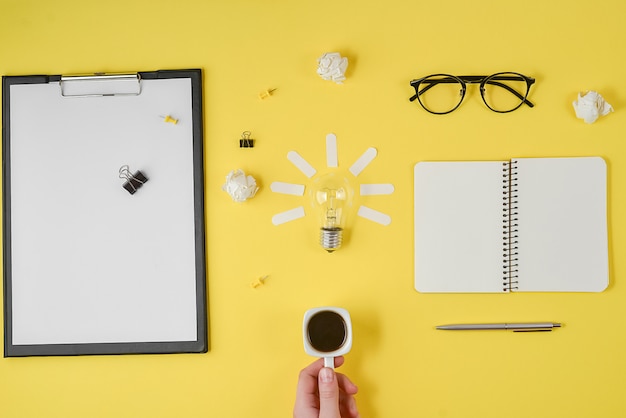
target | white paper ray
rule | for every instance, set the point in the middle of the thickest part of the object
(287, 188)
(363, 161)
(301, 164)
(376, 189)
(287, 216)
(374, 215)
(331, 150)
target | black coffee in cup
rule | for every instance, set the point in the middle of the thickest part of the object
(326, 331)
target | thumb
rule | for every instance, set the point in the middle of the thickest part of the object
(329, 393)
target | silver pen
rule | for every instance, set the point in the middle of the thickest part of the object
(518, 327)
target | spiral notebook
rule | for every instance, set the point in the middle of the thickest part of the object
(528, 225)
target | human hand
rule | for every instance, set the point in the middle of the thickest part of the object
(323, 393)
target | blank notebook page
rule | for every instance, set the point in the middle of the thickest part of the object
(562, 224)
(458, 226)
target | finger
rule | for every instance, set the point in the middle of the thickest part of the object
(347, 402)
(329, 393)
(346, 384)
(339, 361)
(347, 405)
(314, 368)
(306, 391)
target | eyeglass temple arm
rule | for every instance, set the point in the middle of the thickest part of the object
(519, 96)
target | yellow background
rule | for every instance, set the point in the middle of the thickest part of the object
(404, 368)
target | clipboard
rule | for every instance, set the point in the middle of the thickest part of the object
(92, 267)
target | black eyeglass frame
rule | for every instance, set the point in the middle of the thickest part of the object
(474, 79)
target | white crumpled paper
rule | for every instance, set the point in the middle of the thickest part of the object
(590, 106)
(239, 186)
(332, 66)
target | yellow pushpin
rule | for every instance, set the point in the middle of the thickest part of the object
(258, 282)
(169, 119)
(266, 93)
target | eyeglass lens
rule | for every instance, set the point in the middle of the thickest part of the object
(504, 92)
(440, 93)
(443, 93)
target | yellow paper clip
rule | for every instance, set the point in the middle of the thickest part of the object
(267, 93)
(169, 119)
(258, 282)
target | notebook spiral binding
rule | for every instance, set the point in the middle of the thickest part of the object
(509, 227)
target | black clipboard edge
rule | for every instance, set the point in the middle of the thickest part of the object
(177, 347)
(6, 215)
(201, 345)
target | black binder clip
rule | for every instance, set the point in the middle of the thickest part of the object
(133, 181)
(246, 141)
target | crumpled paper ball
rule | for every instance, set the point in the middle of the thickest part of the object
(591, 106)
(239, 186)
(332, 66)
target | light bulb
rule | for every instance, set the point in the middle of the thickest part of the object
(331, 196)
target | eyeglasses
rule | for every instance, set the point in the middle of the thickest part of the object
(501, 92)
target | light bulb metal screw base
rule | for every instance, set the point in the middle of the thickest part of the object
(331, 238)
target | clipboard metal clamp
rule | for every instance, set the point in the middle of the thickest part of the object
(100, 84)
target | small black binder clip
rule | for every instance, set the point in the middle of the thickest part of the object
(246, 141)
(133, 181)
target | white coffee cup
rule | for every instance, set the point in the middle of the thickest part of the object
(327, 333)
